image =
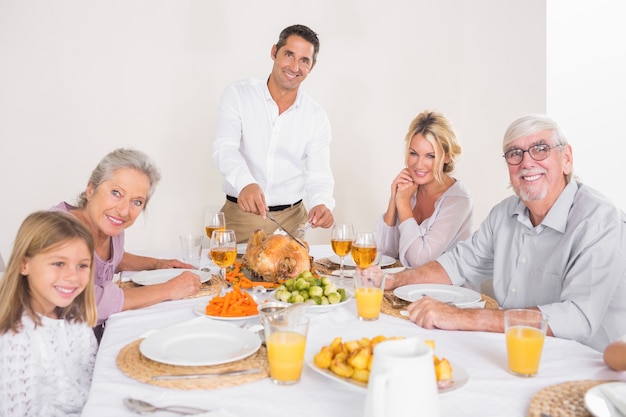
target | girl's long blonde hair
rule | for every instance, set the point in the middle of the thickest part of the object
(41, 232)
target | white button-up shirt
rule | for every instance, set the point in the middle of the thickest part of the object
(288, 155)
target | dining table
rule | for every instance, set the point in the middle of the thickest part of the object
(485, 388)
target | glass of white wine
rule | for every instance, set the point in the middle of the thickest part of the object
(214, 220)
(364, 249)
(223, 249)
(341, 237)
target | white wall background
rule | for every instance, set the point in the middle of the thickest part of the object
(79, 78)
(586, 79)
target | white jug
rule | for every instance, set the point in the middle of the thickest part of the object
(402, 380)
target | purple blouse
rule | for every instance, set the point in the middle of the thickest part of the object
(109, 296)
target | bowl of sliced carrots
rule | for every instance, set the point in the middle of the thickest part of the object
(236, 304)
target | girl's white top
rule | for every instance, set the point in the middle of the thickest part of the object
(46, 371)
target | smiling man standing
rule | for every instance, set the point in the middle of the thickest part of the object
(557, 246)
(272, 144)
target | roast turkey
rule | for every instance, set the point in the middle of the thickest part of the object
(276, 257)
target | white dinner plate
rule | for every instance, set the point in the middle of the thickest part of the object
(241, 248)
(200, 344)
(200, 309)
(159, 276)
(348, 261)
(598, 404)
(459, 375)
(459, 296)
(314, 308)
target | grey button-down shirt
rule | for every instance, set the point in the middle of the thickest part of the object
(572, 265)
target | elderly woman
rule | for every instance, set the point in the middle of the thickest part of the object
(429, 211)
(117, 192)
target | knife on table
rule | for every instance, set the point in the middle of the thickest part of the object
(205, 375)
(269, 216)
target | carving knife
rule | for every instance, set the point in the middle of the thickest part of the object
(269, 216)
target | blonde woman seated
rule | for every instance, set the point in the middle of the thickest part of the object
(429, 211)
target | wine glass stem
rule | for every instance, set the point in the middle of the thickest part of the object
(342, 280)
(223, 276)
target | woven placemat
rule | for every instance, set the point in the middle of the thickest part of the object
(387, 308)
(562, 400)
(132, 363)
(210, 287)
(326, 266)
(490, 303)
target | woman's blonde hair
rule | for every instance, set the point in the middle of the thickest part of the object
(438, 131)
(42, 232)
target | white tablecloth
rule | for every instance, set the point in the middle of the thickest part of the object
(490, 391)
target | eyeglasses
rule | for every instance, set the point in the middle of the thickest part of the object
(536, 152)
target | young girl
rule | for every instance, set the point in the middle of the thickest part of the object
(47, 346)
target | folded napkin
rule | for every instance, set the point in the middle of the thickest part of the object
(615, 392)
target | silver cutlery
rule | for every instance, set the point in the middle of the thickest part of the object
(205, 375)
(142, 407)
(450, 303)
(396, 303)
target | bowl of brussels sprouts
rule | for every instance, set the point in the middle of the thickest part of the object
(317, 292)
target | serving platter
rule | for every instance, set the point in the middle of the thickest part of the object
(459, 375)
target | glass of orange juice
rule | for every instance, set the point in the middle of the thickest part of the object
(368, 291)
(285, 338)
(525, 331)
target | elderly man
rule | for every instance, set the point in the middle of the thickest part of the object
(557, 246)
